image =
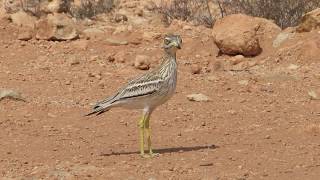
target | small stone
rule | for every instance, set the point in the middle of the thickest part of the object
(293, 67)
(243, 82)
(267, 137)
(10, 94)
(313, 95)
(142, 62)
(213, 78)
(115, 42)
(94, 58)
(111, 58)
(68, 82)
(101, 84)
(232, 112)
(51, 115)
(139, 12)
(187, 27)
(195, 69)
(74, 62)
(198, 97)
(90, 75)
(120, 18)
(237, 59)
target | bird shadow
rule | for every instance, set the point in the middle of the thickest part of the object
(166, 150)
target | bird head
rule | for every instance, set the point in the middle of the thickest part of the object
(172, 42)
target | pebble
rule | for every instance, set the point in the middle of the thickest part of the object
(51, 115)
(213, 78)
(293, 67)
(313, 95)
(142, 62)
(195, 69)
(198, 97)
(243, 82)
(237, 59)
(115, 42)
(120, 18)
(68, 82)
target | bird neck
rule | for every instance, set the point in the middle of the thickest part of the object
(170, 53)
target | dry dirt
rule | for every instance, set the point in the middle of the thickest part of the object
(260, 123)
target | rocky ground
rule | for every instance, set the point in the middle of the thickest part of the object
(257, 116)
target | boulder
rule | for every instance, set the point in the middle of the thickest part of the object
(56, 27)
(36, 7)
(23, 19)
(310, 21)
(237, 34)
(25, 34)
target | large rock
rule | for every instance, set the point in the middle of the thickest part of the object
(35, 7)
(23, 19)
(310, 21)
(237, 34)
(56, 27)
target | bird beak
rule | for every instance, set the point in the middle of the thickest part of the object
(177, 45)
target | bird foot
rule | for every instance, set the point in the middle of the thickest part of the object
(150, 155)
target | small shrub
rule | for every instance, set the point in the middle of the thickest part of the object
(196, 11)
(90, 8)
(285, 13)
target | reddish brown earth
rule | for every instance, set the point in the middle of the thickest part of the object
(260, 123)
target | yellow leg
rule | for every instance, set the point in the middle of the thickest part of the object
(141, 129)
(148, 134)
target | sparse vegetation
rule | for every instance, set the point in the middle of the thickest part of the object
(90, 8)
(285, 13)
(196, 11)
(80, 9)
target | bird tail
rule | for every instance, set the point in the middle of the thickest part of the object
(100, 108)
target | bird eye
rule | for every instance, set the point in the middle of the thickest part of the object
(166, 41)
